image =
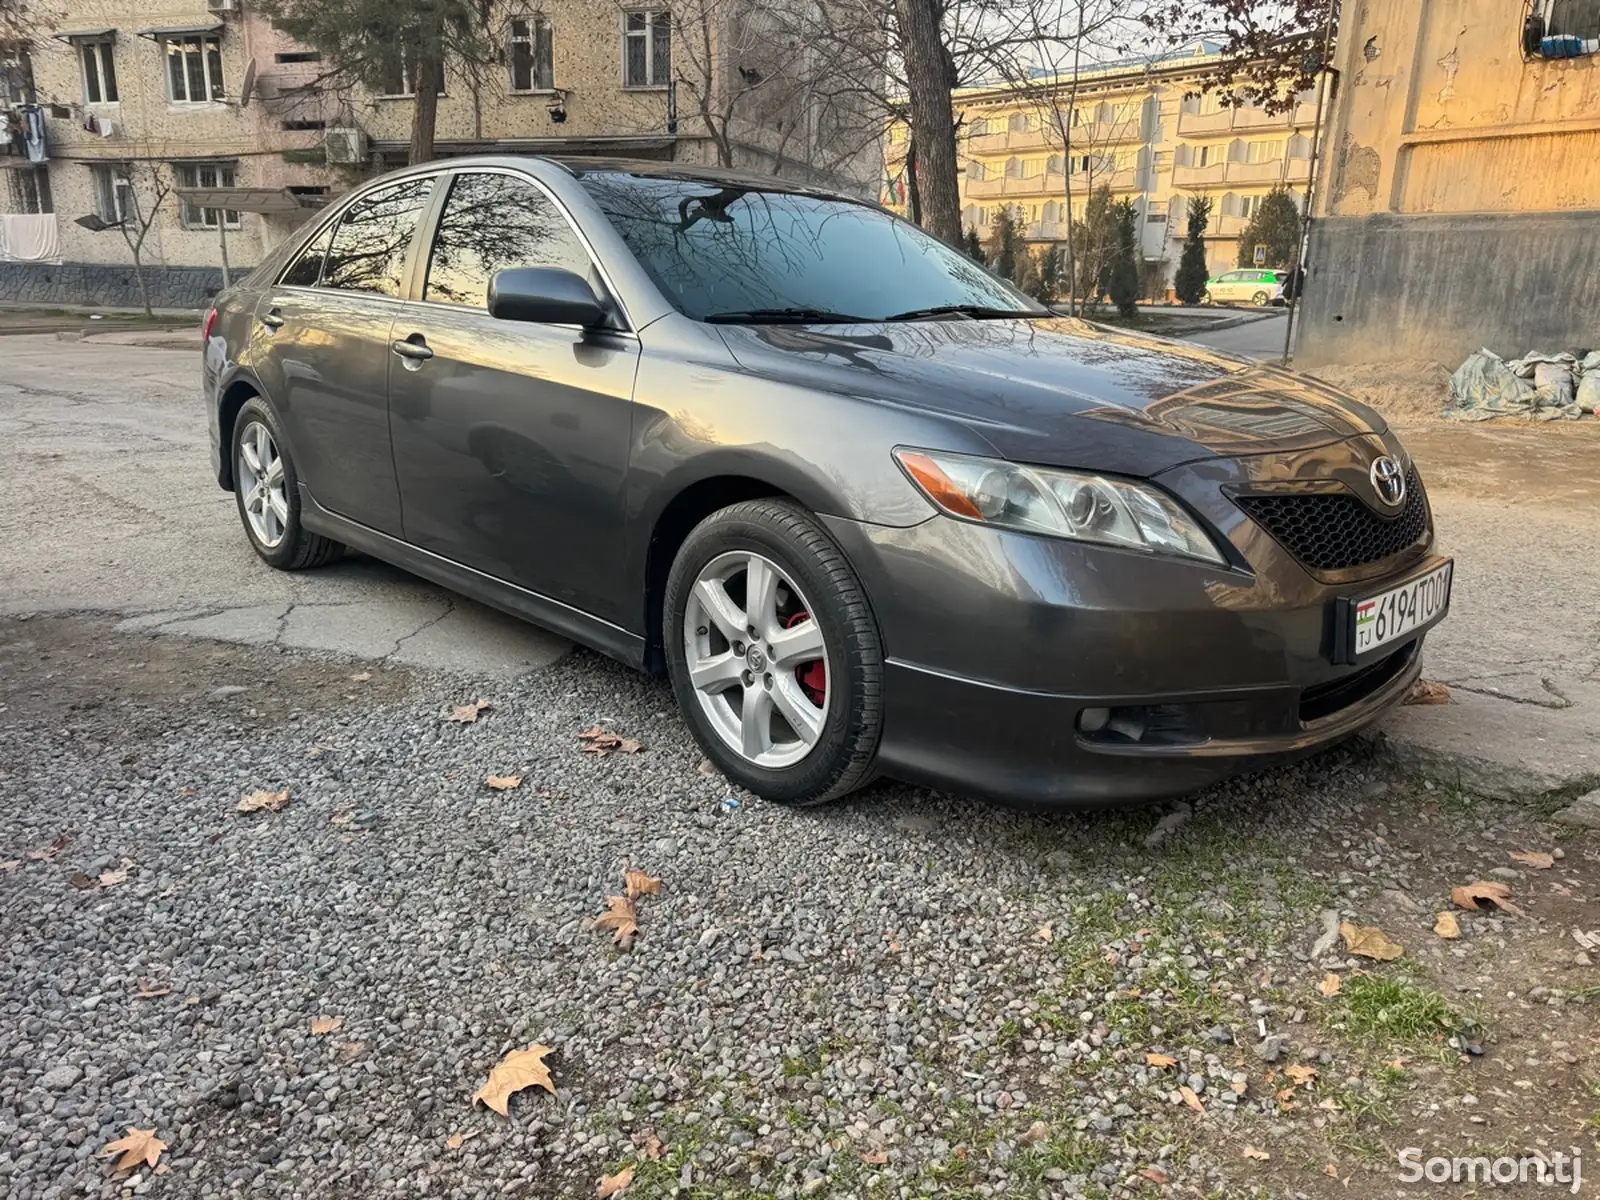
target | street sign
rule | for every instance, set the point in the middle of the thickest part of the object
(1261, 256)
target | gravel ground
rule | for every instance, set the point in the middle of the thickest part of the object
(903, 995)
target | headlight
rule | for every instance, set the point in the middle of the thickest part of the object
(1064, 504)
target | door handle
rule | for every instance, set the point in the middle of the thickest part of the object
(416, 351)
(272, 320)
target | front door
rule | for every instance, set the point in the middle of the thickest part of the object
(511, 438)
(326, 361)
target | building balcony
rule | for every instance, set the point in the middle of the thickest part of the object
(1200, 124)
(1211, 175)
(1225, 226)
(988, 143)
(1245, 120)
(1277, 170)
(982, 189)
(1028, 139)
(1105, 133)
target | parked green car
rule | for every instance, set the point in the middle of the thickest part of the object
(1251, 285)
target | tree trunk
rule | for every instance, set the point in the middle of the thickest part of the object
(424, 117)
(913, 193)
(932, 123)
(144, 290)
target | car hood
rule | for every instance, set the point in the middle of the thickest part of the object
(1062, 392)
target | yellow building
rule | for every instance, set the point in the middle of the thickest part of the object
(1461, 198)
(1143, 128)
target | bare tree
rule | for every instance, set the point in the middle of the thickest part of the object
(1270, 52)
(139, 212)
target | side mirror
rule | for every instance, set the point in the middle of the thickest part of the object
(546, 295)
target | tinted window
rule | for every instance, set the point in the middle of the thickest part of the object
(491, 222)
(718, 249)
(307, 269)
(369, 249)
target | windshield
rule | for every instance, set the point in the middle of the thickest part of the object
(728, 251)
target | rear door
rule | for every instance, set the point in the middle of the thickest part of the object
(511, 438)
(325, 360)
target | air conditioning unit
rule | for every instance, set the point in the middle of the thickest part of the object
(223, 5)
(348, 146)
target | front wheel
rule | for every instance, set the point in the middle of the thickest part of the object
(1206, 299)
(774, 654)
(268, 493)
(1260, 299)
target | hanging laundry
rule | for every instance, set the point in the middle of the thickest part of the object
(33, 133)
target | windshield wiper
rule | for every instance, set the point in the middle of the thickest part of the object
(791, 316)
(976, 311)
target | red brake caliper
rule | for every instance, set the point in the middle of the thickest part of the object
(812, 676)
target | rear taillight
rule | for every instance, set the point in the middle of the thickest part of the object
(205, 334)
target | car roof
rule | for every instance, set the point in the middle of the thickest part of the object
(578, 167)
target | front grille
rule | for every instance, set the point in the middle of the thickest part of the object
(1325, 699)
(1334, 532)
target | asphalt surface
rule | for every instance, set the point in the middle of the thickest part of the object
(1260, 338)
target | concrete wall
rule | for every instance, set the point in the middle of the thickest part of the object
(108, 286)
(1459, 201)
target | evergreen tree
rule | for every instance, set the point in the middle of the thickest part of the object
(1276, 225)
(1005, 243)
(1096, 238)
(973, 245)
(1049, 275)
(1190, 281)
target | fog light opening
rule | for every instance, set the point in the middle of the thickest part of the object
(1093, 720)
(1129, 722)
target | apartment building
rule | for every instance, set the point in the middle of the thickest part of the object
(202, 119)
(1142, 128)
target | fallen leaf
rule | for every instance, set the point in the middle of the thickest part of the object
(1427, 691)
(1037, 1132)
(517, 1070)
(259, 799)
(875, 1158)
(653, 1146)
(1331, 1170)
(361, 677)
(324, 1025)
(1447, 926)
(1191, 1099)
(621, 918)
(162, 1169)
(640, 884)
(1490, 892)
(112, 878)
(1395, 1064)
(1160, 1060)
(1329, 985)
(504, 783)
(149, 991)
(140, 1146)
(46, 853)
(1369, 941)
(961, 1153)
(601, 742)
(80, 881)
(467, 714)
(1539, 860)
(611, 1185)
(1300, 1073)
(457, 1140)
(342, 818)
(1045, 932)
(351, 1051)
(1154, 1174)
(10, 865)
(1258, 1155)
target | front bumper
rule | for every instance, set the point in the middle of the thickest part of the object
(996, 643)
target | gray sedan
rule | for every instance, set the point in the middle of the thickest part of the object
(870, 509)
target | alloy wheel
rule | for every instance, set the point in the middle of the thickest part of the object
(261, 483)
(756, 658)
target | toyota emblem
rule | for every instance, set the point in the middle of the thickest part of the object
(1388, 481)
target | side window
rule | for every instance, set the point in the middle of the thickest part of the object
(491, 222)
(368, 252)
(306, 270)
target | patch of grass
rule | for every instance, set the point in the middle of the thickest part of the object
(1009, 1036)
(1379, 1006)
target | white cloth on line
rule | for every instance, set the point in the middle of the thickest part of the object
(29, 237)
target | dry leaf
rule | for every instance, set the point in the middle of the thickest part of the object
(601, 742)
(1539, 860)
(875, 1158)
(351, 1051)
(621, 919)
(653, 1146)
(517, 1070)
(342, 818)
(1491, 892)
(325, 1025)
(1154, 1174)
(1258, 1155)
(140, 1146)
(1046, 932)
(612, 1185)
(640, 884)
(1191, 1099)
(80, 881)
(1037, 1132)
(1160, 1060)
(1369, 941)
(1426, 691)
(1395, 1064)
(361, 677)
(259, 799)
(467, 714)
(457, 1140)
(10, 865)
(112, 878)
(1300, 1073)
(1447, 926)
(149, 991)
(1329, 985)
(504, 783)
(1331, 1170)
(46, 853)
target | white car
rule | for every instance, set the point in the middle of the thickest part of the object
(1256, 286)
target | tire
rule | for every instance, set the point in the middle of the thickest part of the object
(1206, 299)
(812, 572)
(295, 548)
(1260, 299)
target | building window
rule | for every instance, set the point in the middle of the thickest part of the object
(194, 69)
(976, 172)
(1202, 156)
(205, 175)
(298, 56)
(980, 127)
(30, 190)
(532, 69)
(1263, 152)
(16, 75)
(1568, 19)
(646, 48)
(99, 72)
(1249, 206)
(401, 79)
(113, 195)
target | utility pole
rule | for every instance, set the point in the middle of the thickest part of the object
(1323, 85)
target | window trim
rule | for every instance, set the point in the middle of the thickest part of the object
(114, 213)
(534, 21)
(649, 12)
(166, 42)
(43, 196)
(179, 169)
(104, 49)
(408, 80)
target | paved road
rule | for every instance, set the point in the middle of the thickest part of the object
(1254, 339)
(107, 504)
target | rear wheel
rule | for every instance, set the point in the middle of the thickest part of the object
(774, 654)
(268, 493)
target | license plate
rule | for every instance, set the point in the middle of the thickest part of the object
(1379, 619)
